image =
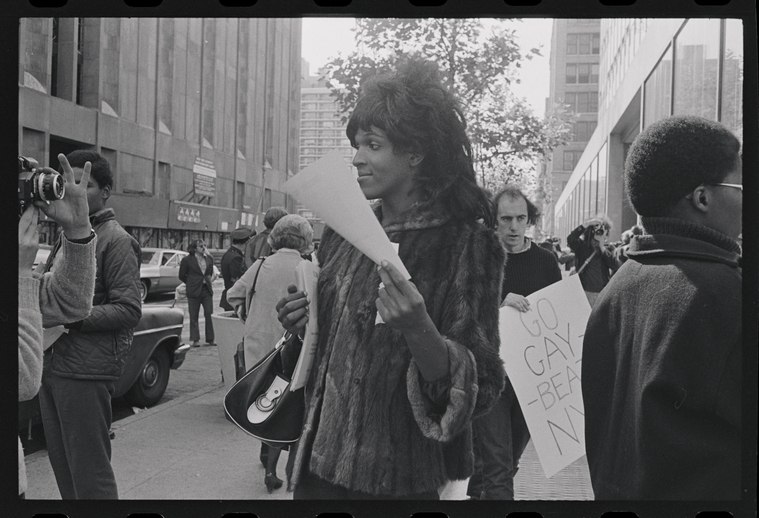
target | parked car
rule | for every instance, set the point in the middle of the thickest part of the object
(156, 349)
(159, 270)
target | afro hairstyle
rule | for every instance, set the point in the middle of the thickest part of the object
(674, 156)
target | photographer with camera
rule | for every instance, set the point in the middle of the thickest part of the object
(82, 366)
(595, 261)
(57, 297)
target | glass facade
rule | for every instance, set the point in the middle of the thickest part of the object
(658, 91)
(696, 76)
(700, 72)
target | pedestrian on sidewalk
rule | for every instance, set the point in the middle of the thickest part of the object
(501, 435)
(401, 366)
(259, 246)
(196, 271)
(661, 358)
(594, 259)
(233, 262)
(83, 364)
(255, 295)
(59, 297)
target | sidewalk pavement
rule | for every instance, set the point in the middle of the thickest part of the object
(186, 449)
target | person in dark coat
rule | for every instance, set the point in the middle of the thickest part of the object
(594, 258)
(196, 271)
(233, 262)
(661, 359)
(259, 246)
(81, 367)
(501, 435)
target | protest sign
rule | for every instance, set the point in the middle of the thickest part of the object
(542, 351)
(329, 188)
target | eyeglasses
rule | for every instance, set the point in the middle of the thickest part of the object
(734, 185)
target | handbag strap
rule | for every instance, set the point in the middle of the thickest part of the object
(586, 262)
(253, 287)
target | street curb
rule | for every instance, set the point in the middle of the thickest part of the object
(121, 423)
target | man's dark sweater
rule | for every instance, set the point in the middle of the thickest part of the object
(529, 271)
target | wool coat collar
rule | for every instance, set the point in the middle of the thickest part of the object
(671, 237)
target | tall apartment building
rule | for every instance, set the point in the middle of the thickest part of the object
(650, 69)
(574, 79)
(199, 117)
(321, 130)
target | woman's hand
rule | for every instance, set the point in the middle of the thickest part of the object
(516, 301)
(28, 241)
(72, 212)
(292, 311)
(400, 304)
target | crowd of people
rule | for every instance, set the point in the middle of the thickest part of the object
(407, 390)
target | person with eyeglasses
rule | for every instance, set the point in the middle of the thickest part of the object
(196, 271)
(661, 360)
(595, 261)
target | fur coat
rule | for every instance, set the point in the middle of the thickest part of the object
(370, 424)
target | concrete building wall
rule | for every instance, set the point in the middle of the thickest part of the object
(152, 94)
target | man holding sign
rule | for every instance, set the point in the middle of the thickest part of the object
(502, 435)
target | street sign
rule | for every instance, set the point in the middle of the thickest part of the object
(204, 177)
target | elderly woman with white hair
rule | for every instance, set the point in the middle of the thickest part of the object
(255, 295)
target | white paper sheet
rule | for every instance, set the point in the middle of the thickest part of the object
(51, 334)
(542, 351)
(330, 190)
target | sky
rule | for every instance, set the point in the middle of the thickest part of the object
(323, 38)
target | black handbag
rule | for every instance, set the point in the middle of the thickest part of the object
(261, 402)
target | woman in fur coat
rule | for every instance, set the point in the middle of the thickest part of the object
(389, 402)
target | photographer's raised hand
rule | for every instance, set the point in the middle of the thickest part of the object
(71, 212)
(28, 241)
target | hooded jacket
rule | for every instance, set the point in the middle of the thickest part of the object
(661, 369)
(371, 425)
(96, 347)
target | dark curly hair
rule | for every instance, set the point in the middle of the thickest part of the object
(674, 156)
(100, 168)
(420, 115)
(514, 193)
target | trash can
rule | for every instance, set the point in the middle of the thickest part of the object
(229, 332)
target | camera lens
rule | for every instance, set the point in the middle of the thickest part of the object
(50, 186)
(600, 231)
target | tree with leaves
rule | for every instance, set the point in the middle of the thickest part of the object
(478, 65)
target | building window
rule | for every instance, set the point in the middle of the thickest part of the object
(697, 68)
(583, 44)
(583, 130)
(581, 102)
(571, 76)
(657, 91)
(570, 160)
(732, 78)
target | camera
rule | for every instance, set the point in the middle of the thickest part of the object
(37, 185)
(600, 230)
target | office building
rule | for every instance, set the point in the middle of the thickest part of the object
(650, 69)
(574, 77)
(199, 117)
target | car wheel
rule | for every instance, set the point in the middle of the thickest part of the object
(151, 385)
(143, 289)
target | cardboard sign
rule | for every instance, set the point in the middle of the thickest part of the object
(542, 352)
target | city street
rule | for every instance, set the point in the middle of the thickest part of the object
(184, 448)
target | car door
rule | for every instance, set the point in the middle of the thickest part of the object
(170, 270)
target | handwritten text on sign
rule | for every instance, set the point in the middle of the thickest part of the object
(542, 351)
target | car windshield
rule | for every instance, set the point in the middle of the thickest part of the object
(149, 257)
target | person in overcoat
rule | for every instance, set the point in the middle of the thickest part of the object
(196, 271)
(254, 297)
(402, 365)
